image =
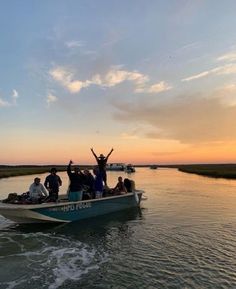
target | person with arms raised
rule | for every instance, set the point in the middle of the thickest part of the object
(102, 162)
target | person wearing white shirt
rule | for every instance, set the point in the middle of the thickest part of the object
(37, 192)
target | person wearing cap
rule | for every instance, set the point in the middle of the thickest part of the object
(37, 192)
(102, 162)
(52, 183)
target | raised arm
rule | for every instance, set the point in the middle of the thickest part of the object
(69, 168)
(109, 153)
(94, 153)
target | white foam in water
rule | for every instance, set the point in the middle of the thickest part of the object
(71, 263)
(49, 259)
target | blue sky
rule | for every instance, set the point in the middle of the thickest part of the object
(153, 79)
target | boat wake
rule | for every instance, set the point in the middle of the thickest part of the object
(50, 260)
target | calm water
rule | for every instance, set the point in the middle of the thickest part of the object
(184, 236)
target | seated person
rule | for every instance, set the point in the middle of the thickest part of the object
(120, 188)
(128, 185)
(37, 192)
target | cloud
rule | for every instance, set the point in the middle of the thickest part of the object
(15, 95)
(75, 44)
(188, 119)
(12, 102)
(155, 88)
(66, 79)
(51, 98)
(231, 56)
(228, 68)
(221, 70)
(113, 77)
(4, 103)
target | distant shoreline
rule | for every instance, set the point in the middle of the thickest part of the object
(226, 171)
(23, 170)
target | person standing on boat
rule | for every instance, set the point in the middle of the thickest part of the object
(89, 184)
(102, 162)
(52, 183)
(76, 183)
(37, 192)
(98, 183)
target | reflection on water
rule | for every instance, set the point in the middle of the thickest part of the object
(83, 228)
(184, 236)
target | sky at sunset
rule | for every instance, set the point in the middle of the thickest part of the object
(155, 80)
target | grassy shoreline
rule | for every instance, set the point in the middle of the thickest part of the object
(226, 171)
(14, 171)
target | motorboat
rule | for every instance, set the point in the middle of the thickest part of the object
(153, 167)
(66, 211)
(115, 167)
(129, 168)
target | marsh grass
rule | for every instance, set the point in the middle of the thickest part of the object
(227, 171)
(12, 171)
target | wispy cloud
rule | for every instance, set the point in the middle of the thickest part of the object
(220, 70)
(155, 88)
(12, 102)
(51, 99)
(66, 79)
(75, 44)
(228, 68)
(231, 56)
(4, 103)
(189, 46)
(113, 77)
(15, 96)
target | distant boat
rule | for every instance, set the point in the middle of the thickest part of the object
(115, 167)
(153, 167)
(65, 211)
(129, 168)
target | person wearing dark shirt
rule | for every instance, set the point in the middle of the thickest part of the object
(98, 183)
(52, 184)
(76, 183)
(89, 183)
(102, 162)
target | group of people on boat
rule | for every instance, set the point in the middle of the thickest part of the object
(82, 184)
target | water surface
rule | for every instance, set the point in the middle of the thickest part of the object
(183, 236)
